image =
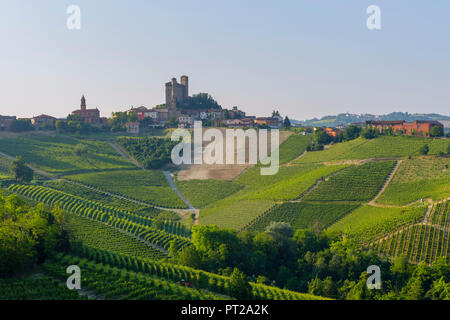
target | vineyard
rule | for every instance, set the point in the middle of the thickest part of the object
(418, 178)
(43, 288)
(149, 186)
(420, 242)
(98, 235)
(367, 222)
(159, 233)
(55, 154)
(132, 269)
(302, 215)
(355, 183)
(380, 147)
(203, 192)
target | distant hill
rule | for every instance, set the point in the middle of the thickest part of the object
(348, 118)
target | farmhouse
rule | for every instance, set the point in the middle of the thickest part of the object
(332, 132)
(417, 127)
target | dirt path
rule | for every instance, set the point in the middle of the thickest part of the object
(124, 154)
(386, 183)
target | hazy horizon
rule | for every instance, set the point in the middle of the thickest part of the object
(306, 59)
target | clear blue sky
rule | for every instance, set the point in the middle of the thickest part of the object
(306, 58)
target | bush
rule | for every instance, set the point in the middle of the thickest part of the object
(424, 149)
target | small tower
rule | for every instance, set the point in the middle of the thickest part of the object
(185, 83)
(83, 103)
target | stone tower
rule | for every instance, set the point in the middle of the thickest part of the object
(185, 83)
(176, 93)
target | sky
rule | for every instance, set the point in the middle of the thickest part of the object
(304, 58)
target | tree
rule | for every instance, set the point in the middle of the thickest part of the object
(424, 149)
(80, 150)
(436, 131)
(351, 132)
(275, 113)
(239, 286)
(21, 171)
(321, 137)
(369, 133)
(21, 125)
(287, 122)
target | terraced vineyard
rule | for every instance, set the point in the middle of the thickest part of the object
(98, 235)
(367, 222)
(302, 215)
(355, 183)
(113, 283)
(159, 233)
(420, 242)
(149, 186)
(137, 267)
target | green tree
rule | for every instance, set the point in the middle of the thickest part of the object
(239, 285)
(424, 149)
(287, 122)
(19, 125)
(80, 150)
(351, 132)
(321, 137)
(21, 171)
(369, 133)
(436, 131)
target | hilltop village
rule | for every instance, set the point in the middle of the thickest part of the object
(180, 110)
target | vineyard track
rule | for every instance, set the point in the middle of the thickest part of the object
(388, 180)
(124, 154)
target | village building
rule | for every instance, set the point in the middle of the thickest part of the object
(91, 116)
(235, 113)
(271, 122)
(43, 121)
(5, 122)
(418, 127)
(132, 127)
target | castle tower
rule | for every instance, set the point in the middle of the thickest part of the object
(185, 83)
(83, 103)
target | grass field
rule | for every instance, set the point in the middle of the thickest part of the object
(149, 186)
(303, 215)
(232, 214)
(368, 222)
(55, 154)
(200, 193)
(418, 178)
(381, 147)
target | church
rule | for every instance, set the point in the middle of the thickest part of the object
(91, 116)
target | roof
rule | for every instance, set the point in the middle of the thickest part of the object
(132, 124)
(44, 116)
